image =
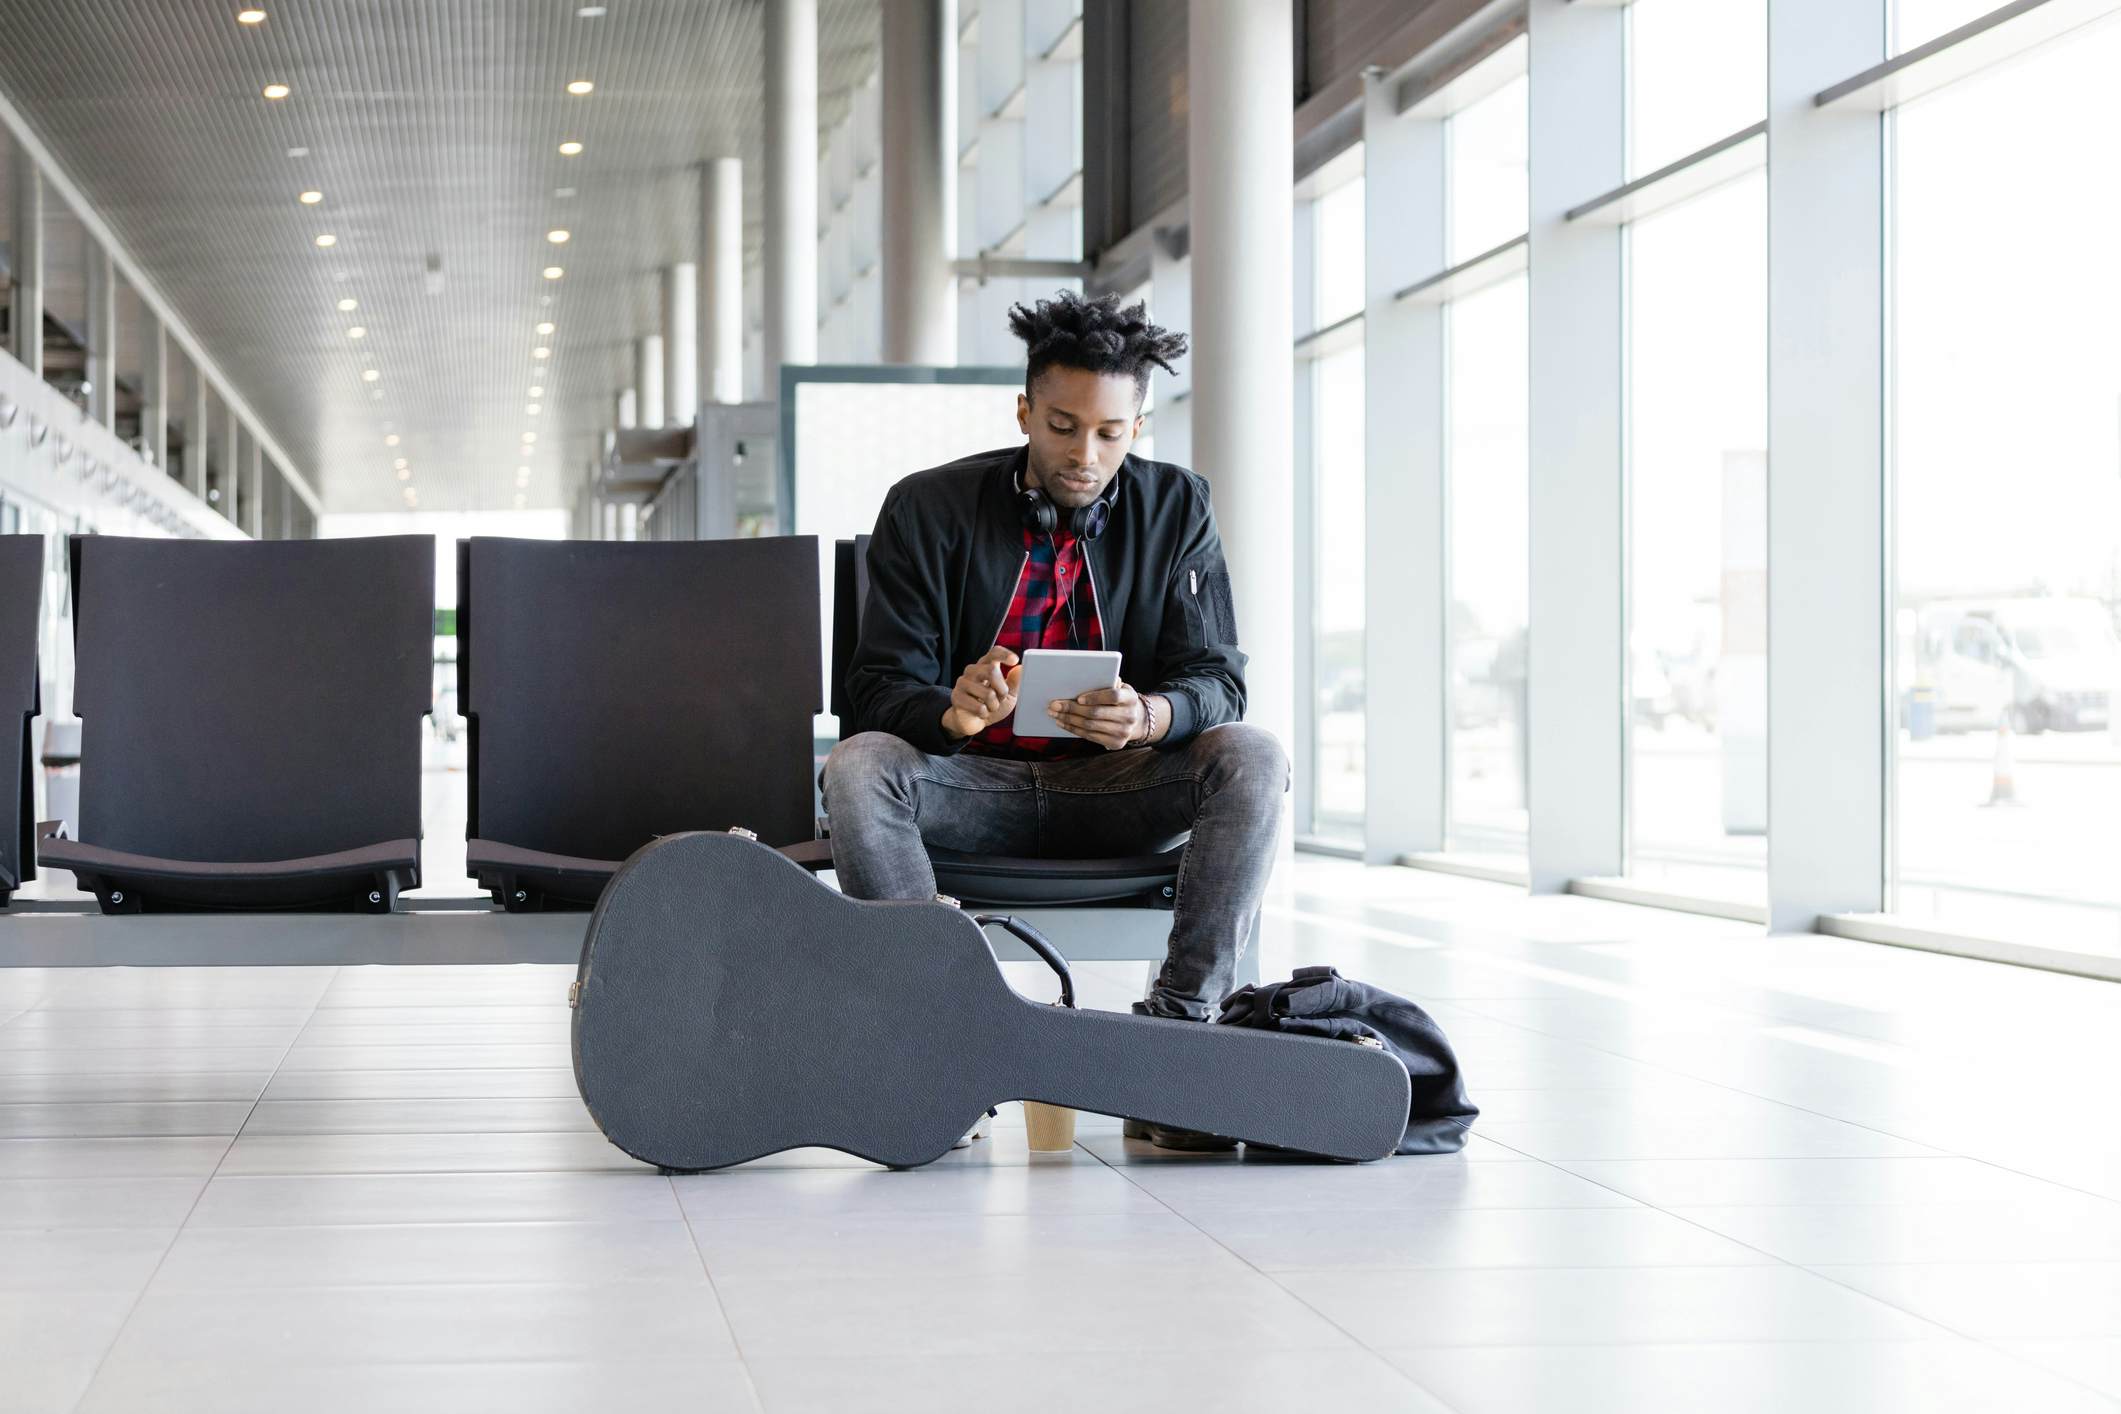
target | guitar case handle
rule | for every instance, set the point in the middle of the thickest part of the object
(1031, 938)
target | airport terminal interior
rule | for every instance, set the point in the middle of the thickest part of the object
(1666, 456)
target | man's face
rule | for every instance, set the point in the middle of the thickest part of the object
(1081, 425)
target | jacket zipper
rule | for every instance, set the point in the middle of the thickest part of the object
(1002, 622)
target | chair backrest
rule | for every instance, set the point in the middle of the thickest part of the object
(21, 605)
(850, 591)
(620, 691)
(243, 701)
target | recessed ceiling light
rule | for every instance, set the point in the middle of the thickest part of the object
(564, 193)
(357, 332)
(541, 352)
(401, 464)
(537, 390)
(404, 474)
(369, 375)
(277, 90)
(546, 327)
(298, 152)
(553, 272)
(392, 440)
(522, 471)
(580, 87)
(349, 305)
(250, 17)
(327, 241)
(311, 198)
(558, 237)
(533, 409)
(590, 12)
(529, 437)
(570, 148)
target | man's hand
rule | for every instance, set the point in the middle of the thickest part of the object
(983, 694)
(1111, 716)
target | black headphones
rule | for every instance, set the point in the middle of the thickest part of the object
(1043, 517)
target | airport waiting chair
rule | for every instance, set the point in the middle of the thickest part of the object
(21, 603)
(1129, 882)
(250, 718)
(621, 691)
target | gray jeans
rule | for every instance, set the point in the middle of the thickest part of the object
(887, 799)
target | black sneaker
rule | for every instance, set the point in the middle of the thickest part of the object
(1168, 1136)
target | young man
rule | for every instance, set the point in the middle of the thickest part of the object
(1068, 541)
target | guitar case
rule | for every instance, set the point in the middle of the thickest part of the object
(730, 1006)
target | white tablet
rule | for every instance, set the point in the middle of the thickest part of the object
(1052, 674)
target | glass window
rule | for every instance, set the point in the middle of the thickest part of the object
(1489, 556)
(1917, 22)
(1697, 72)
(1337, 610)
(1697, 538)
(2006, 418)
(1338, 274)
(1487, 166)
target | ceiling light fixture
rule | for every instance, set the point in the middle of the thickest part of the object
(250, 17)
(311, 198)
(529, 437)
(357, 332)
(580, 87)
(401, 464)
(553, 272)
(563, 193)
(559, 237)
(349, 305)
(277, 90)
(537, 390)
(522, 471)
(590, 12)
(404, 474)
(327, 241)
(533, 409)
(370, 375)
(392, 440)
(541, 352)
(298, 152)
(546, 326)
(570, 148)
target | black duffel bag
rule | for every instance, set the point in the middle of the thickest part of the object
(1318, 1001)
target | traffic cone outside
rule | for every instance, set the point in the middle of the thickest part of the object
(2003, 785)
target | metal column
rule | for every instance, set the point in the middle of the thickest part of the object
(721, 316)
(681, 344)
(196, 435)
(1240, 151)
(919, 181)
(154, 392)
(27, 336)
(791, 186)
(648, 380)
(102, 374)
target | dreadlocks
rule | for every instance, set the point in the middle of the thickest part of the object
(1095, 335)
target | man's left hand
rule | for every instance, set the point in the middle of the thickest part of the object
(1111, 716)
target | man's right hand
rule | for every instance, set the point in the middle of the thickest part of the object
(984, 694)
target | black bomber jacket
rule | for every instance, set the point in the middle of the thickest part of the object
(943, 566)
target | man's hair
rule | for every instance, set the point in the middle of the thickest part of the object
(1095, 335)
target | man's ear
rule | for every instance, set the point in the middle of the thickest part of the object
(1023, 414)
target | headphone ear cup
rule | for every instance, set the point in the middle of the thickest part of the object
(1089, 521)
(1036, 508)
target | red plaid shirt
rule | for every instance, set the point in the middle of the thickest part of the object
(1052, 608)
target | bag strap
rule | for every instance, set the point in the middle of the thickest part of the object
(1031, 938)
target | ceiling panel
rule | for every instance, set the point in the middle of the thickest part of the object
(432, 129)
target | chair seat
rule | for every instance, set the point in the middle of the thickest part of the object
(367, 879)
(1007, 882)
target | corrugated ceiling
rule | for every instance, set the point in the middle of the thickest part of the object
(432, 128)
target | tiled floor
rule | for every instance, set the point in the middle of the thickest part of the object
(1715, 1171)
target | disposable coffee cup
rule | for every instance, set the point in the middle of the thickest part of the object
(1051, 1127)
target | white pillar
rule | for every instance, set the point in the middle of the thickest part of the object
(681, 343)
(154, 392)
(196, 436)
(721, 317)
(1240, 152)
(102, 376)
(1827, 645)
(919, 145)
(626, 412)
(253, 485)
(791, 187)
(609, 517)
(648, 380)
(1577, 707)
(26, 337)
(1406, 598)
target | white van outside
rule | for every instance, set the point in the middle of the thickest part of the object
(2044, 663)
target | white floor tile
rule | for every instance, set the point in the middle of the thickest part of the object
(1111, 1382)
(80, 1259)
(475, 1057)
(145, 1060)
(323, 1200)
(2066, 1226)
(536, 1253)
(1332, 1239)
(82, 1120)
(325, 1031)
(1934, 1376)
(183, 1157)
(97, 1202)
(142, 1086)
(547, 1083)
(2095, 1364)
(1593, 1306)
(964, 1192)
(1689, 1183)
(2000, 1300)
(1426, 1182)
(418, 1116)
(527, 1387)
(87, 1037)
(425, 1153)
(1788, 1135)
